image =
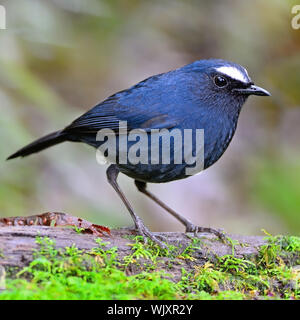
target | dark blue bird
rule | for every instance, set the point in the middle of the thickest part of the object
(206, 94)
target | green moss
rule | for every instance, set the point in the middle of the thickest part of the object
(99, 273)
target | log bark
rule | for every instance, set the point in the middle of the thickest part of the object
(17, 244)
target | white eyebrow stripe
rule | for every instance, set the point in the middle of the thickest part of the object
(234, 73)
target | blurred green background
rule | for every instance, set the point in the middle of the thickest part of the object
(58, 58)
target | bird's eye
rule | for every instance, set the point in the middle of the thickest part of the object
(220, 81)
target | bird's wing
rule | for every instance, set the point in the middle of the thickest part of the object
(139, 106)
(92, 122)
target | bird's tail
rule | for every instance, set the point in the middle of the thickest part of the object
(40, 144)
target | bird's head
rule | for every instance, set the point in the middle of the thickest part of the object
(224, 81)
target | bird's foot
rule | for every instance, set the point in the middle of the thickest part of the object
(146, 233)
(196, 229)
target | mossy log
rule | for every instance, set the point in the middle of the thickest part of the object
(17, 244)
(246, 267)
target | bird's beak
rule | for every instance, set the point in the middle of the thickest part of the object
(255, 90)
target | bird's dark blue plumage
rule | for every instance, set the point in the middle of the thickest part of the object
(206, 94)
(185, 98)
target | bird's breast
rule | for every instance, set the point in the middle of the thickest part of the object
(216, 141)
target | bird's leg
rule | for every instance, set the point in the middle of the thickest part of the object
(112, 174)
(190, 227)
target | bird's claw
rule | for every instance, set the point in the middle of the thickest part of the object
(196, 229)
(146, 233)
